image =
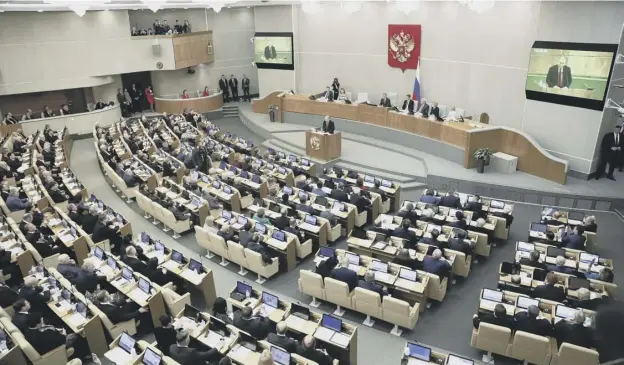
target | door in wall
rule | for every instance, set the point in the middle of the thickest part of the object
(141, 80)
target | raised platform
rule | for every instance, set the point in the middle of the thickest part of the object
(384, 157)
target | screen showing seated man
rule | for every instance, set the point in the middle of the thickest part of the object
(274, 50)
(575, 74)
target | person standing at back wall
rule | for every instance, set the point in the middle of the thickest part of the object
(245, 84)
(233, 82)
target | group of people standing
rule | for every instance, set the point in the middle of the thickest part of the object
(163, 28)
(230, 88)
(134, 99)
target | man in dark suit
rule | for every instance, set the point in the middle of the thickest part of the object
(433, 240)
(575, 239)
(280, 339)
(559, 75)
(499, 318)
(102, 231)
(21, 314)
(257, 327)
(117, 313)
(34, 294)
(574, 331)
(89, 220)
(165, 334)
(233, 82)
(245, 85)
(308, 350)
(185, 355)
(44, 338)
(423, 109)
(610, 153)
(458, 243)
(560, 266)
(369, 284)
(435, 111)
(223, 86)
(408, 104)
(408, 212)
(549, 290)
(360, 202)
(461, 222)
(269, 52)
(474, 204)
(8, 295)
(404, 232)
(328, 125)
(429, 197)
(436, 265)
(342, 273)
(533, 260)
(133, 261)
(450, 200)
(339, 193)
(304, 207)
(282, 221)
(528, 322)
(385, 102)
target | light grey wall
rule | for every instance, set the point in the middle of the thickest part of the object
(232, 30)
(276, 19)
(60, 50)
(108, 92)
(477, 62)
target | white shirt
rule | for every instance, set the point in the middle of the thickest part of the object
(617, 138)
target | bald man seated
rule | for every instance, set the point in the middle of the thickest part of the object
(280, 339)
(573, 331)
(436, 264)
(308, 350)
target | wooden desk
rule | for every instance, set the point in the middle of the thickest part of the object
(201, 105)
(323, 146)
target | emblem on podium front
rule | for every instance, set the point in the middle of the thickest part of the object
(315, 143)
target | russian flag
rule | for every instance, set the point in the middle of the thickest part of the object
(416, 92)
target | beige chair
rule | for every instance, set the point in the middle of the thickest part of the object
(156, 212)
(337, 292)
(203, 239)
(257, 265)
(367, 302)
(237, 255)
(360, 219)
(590, 244)
(482, 247)
(500, 229)
(174, 301)
(145, 205)
(462, 263)
(219, 247)
(436, 288)
(114, 330)
(55, 357)
(7, 324)
(574, 355)
(384, 207)
(303, 249)
(531, 348)
(399, 313)
(312, 284)
(492, 339)
(177, 226)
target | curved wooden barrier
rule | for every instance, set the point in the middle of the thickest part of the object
(201, 105)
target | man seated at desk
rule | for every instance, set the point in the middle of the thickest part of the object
(325, 267)
(257, 327)
(256, 244)
(605, 275)
(360, 201)
(575, 239)
(280, 339)
(90, 219)
(344, 274)
(458, 243)
(308, 350)
(34, 294)
(560, 266)
(292, 226)
(105, 230)
(339, 193)
(117, 312)
(408, 104)
(529, 322)
(179, 212)
(429, 197)
(46, 246)
(318, 189)
(369, 284)
(226, 232)
(499, 318)
(423, 110)
(589, 224)
(282, 221)
(406, 233)
(165, 334)
(515, 285)
(408, 212)
(474, 204)
(385, 102)
(185, 355)
(22, 314)
(436, 264)
(45, 338)
(83, 279)
(13, 201)
(133, 261)
(260, 217)
(549, 291)
(533, 260)
(573, 331)
(450, 200)
(403, 258)
(461, 221)
(304, 207)
(584, 300)
(554, 219)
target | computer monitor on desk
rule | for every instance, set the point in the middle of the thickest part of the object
(327, 252)
(280, 357)
(151, 358)
(279, 235)
(191, 312)
(418, 352)
(575, 283)
(524, 302)
(310, 219)
(331, 322)
(456, 360)
(408, 274)
(243, 288)
(552, 251)
(538, 227)
(300, 311)
(126, 342)
(260, 228)
(493, 295)
(380, 266)
(270, 299)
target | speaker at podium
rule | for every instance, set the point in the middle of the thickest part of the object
(323, 146)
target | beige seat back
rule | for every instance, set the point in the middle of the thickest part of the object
(575, 355)
(399, 312)
(8, 325)
(174, 301)
(218, 245)
(367, 302)
(237, 253)
(436, 288)
(312, 284)
(203, 238)
(531, 348)
(492, 338)
(338, 293)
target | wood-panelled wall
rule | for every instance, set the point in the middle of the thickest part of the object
(200, 105)
(192, 49)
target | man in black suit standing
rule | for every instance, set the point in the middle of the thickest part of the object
(185, 355)
(223, 86)
(610, 152)
(233, 82)
(385, 102)
(559, 75)
(408, 104)
(328, 125)
(245, 85)
(269, 52)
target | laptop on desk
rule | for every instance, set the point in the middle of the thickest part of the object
(417, 354)
(122, 353)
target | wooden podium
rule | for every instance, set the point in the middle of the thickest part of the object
(323, 146)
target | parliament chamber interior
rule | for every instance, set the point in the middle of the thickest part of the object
(311, 182)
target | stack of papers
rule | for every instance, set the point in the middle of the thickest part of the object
(324, 334)
(295, 322)
(240, 352)
(213, 339)
(67, 238)
(340, 339)
(76, 320)
(171, 265)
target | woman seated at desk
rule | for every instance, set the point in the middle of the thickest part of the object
(342, 97)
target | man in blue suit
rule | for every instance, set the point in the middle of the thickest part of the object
(14, 203)
(435, 264)
(342, 273)
(560, 266)
(429, 198)
(369, 284)
(450, 200)
(404, 232)
(575, 239)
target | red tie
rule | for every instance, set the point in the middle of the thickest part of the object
(560, 82)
